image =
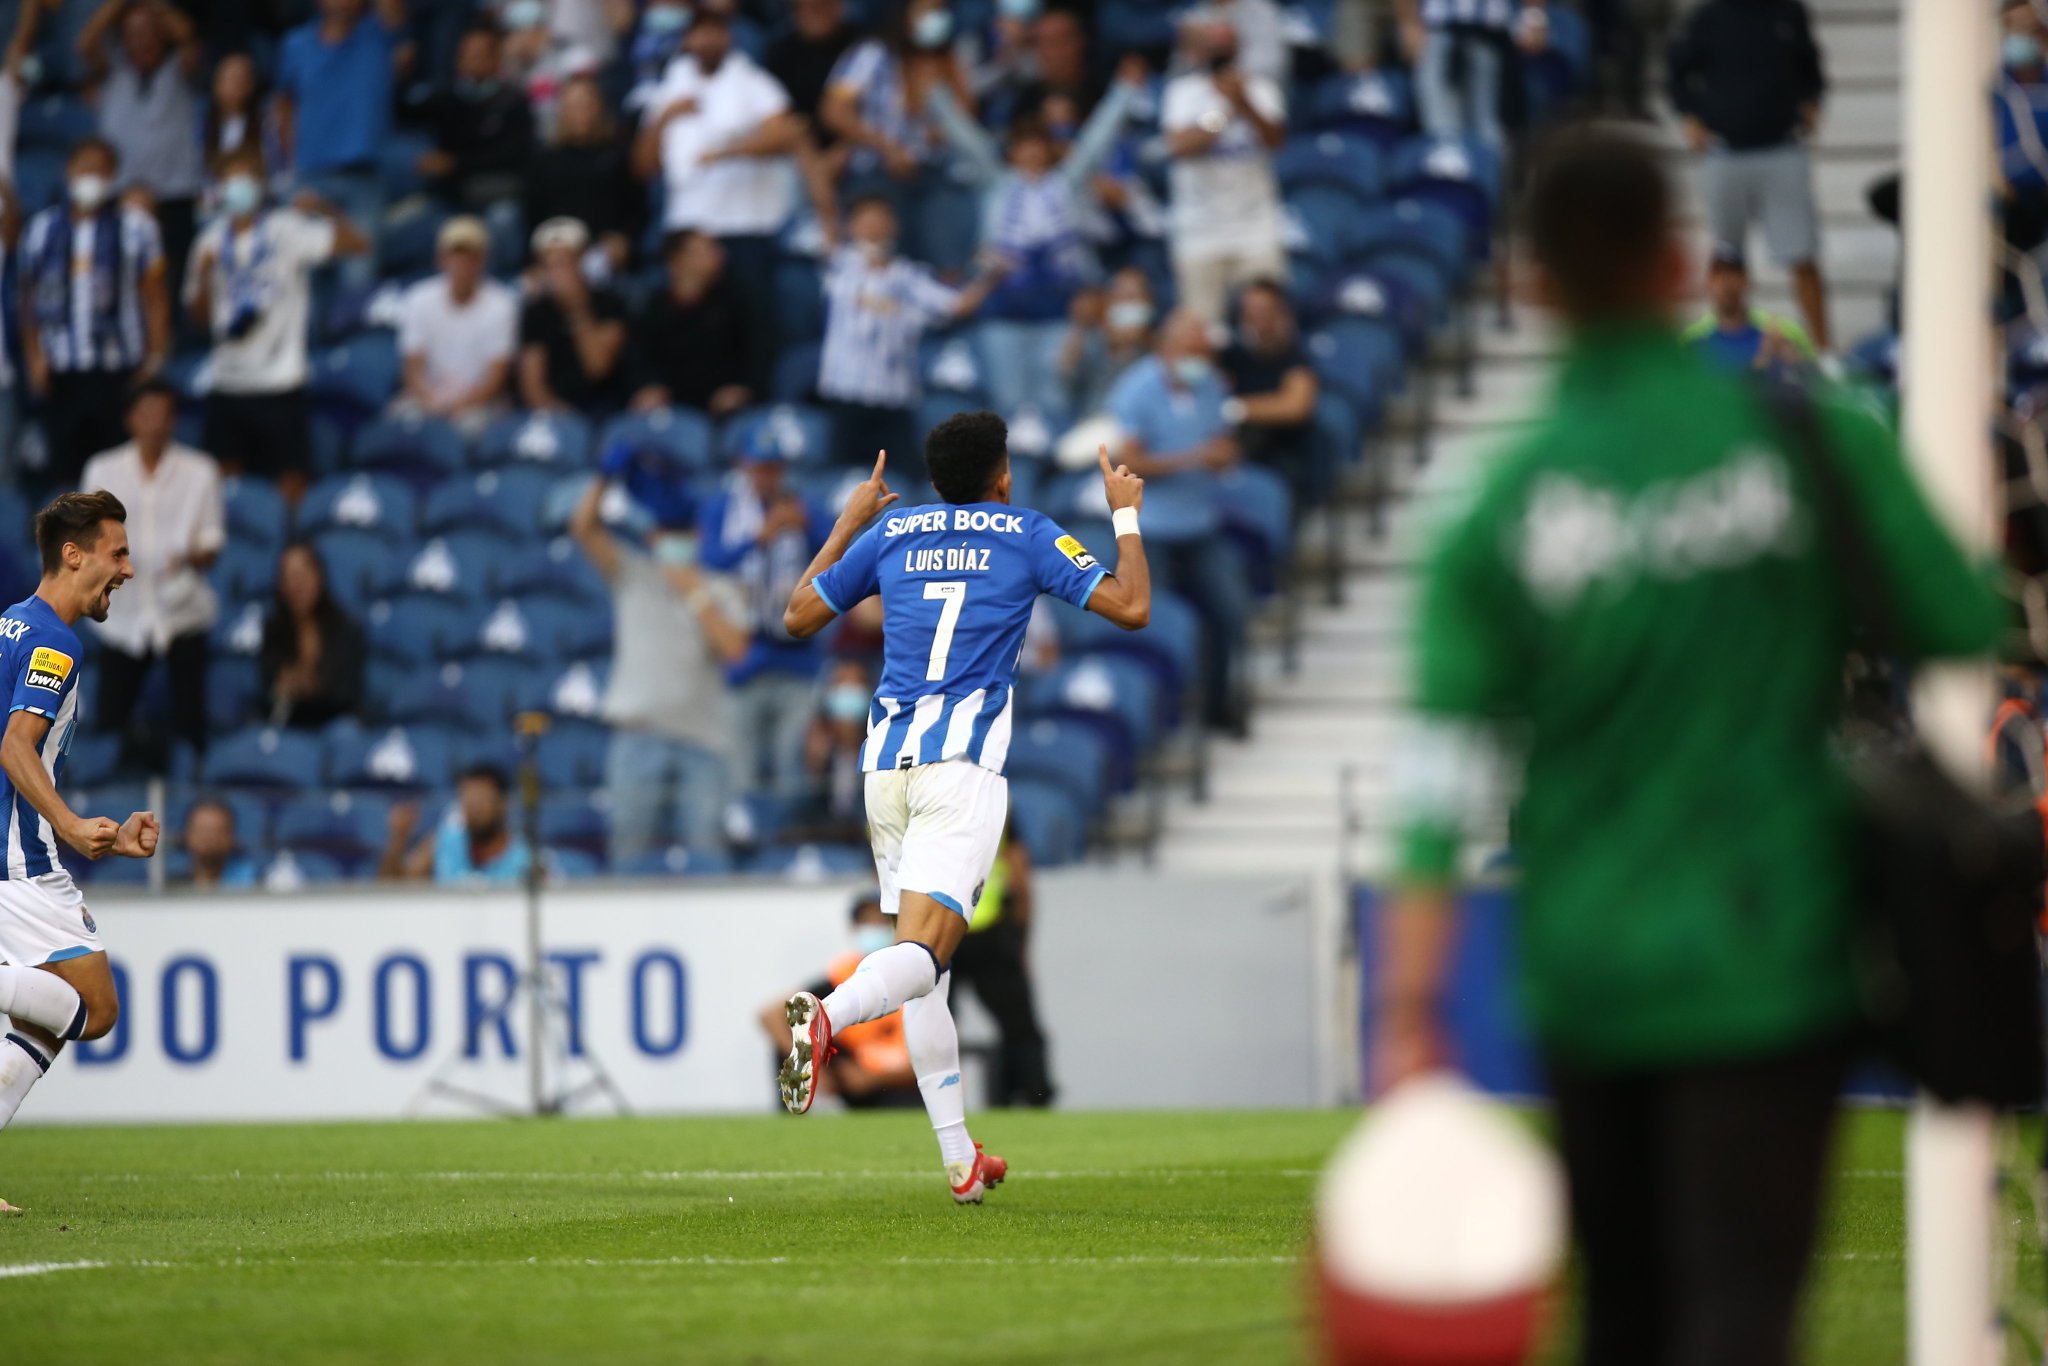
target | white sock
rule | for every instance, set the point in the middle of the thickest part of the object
(884, 980)
(935, 1056)
(22, 1065)
(43, 999)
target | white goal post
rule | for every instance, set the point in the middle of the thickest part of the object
(1948, 382)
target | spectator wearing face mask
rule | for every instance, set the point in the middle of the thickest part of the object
(142, 58)
(335, 78)
(1033, 201)
(763, 533)
(1222, 127)
(723, 139)
(571, 334)
(2020, 111)
(872, 1067)
(250, 288)
(457, 333)
(95, 309)
(483, 128)
(877, 309)
(676, 630)
(240, 115)
(877, 97)
(835, 808)
(657, 41)
(1108, 331)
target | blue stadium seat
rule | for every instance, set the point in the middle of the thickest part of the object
(1068, 754)
(756, 818)
(349, 827)
(1169, 647)
(406, 240)
(407, 758)
(954, 363)
(796, 373)
(244, 572)
(678, 861)
(1134, 26)
(377, 505)
(93, 760)
(678, 438)
(535, 630)
(1552, 76)
(116, 872)
(420, 449)
(415, 630)
(500, 688)
(55, 121)
(572, 755)
(1360, 360)
(398, 165)
(509, 502)
(1319, 222)
(566, 864)
(799, 302)
(264, 757)
(1100, 687)
(354, 560)
(1339, 436)
(1358, 292)
(15, 513)
(1345, 162)
(456, 566)
(355, 379)
(579, 819)
(576, 691)
(255, 512)
(289, 869)
(234, 693)
(1462, 176)
(38, 177)
(1424, 245)
(556, 441)
(252, 811)
(557, 569)
(811, 862)
(1377, 104)
(933, 409)
(801, 434)
(1046, 819)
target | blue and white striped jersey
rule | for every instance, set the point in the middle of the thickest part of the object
(1484, 13)
(39, 655)
(958, 582)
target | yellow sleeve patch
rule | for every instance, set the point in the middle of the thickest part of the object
(1075, 551)
(48, 661)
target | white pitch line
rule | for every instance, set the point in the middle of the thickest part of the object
(601, 1263)
(702, 1174)
(45, 1268)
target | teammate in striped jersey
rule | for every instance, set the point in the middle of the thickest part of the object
(958, 580)
(54, 980)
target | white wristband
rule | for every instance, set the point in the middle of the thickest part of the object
(1125, 520)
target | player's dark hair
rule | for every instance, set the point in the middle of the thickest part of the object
(965, 453)
(154, 388)
(93, 143)
(74, 519)
(1599, 218)
(490, 773)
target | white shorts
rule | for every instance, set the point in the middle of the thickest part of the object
(44, 920)
(936, 830)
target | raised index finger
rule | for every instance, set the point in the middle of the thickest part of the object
(881, 459)
(1102, 455)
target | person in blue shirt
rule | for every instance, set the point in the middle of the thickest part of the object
(958, 580)
(214, 848)
(335, 78)
(472, 844)
(55, 982)
(1737, 334)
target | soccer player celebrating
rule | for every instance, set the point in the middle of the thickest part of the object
(958, 581)
(54, 980)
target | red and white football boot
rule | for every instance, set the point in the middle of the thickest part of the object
(810, 1048)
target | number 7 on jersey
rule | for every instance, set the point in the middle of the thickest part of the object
(955, 595)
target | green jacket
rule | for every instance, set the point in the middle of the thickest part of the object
(1636, 594)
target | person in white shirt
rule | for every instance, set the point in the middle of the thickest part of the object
(723, 138)
(457, 333)
(1221, 128)
(176, 528)
(250, 287)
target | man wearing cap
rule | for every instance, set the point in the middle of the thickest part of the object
(1736, 333)
(676, 629)
(456, 333)
(721, 134)
(763, 533)
(250, 287)
(571, 335)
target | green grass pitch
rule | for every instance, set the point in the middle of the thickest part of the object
(1121, 1238)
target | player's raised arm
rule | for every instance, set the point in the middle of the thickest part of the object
(21, 757)
(1125, 596)
(812, 608)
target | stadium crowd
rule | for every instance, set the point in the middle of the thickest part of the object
(457, 360)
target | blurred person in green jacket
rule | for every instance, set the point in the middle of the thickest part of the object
(1636, 598)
